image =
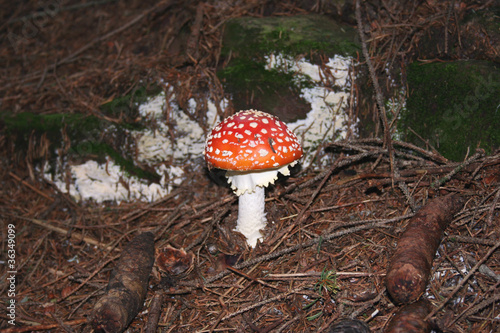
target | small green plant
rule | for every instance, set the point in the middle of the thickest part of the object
(326, 285)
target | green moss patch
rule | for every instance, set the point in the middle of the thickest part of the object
(454, 105)
(78, 136)
(248, 40)
(254, 86)
(125, 107)
(292, 35)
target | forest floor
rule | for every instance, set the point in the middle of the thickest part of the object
(326, 253)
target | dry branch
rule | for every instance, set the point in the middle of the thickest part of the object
(43, 327)
(74, 235)
(411, 263)
(154, 312)
(127, 286)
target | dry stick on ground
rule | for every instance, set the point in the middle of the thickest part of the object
(411, 263)
(84, 282)
(382, 112)
(193, 41)
(480, 153)
(339, 163)
(378, 92)
(167, 221)
(471, 240)
(127, 286)
(75, 236)
(33, 188)
(487, 161)
(264, 302)
(288, 323)
(154, 312)
(429, 154)
(43, 327)
(489, 221)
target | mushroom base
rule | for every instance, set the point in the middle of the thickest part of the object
(251, 215)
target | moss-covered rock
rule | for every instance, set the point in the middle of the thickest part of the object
(454, 105)
(476, 35)
(125, 107)
(248, 41)
(78, 137)
(254, 37)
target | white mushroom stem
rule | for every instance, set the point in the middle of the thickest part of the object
(251, 215)
(249, 186)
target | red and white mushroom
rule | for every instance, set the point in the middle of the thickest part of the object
(253, 146)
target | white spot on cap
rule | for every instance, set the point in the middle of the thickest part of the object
(263, 152)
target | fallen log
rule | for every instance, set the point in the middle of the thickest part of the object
(410, 266)
(411, 318)
(127, 286)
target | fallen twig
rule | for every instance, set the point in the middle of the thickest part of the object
(43, 327)
(74, 235)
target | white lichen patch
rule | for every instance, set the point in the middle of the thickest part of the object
(108, 182)
(181, 139)
(328, 118)
(163, 148)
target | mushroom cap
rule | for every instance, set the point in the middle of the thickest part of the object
(251, 140)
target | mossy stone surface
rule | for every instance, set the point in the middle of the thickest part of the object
(81, 137)
(454, 105)
(248, 40)
(292, 35)
(125, 107)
